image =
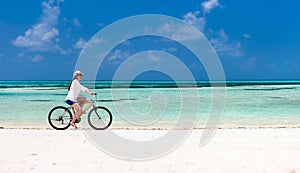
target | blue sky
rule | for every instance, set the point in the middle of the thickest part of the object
(42, 40)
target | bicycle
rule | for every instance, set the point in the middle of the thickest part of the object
(99, 117)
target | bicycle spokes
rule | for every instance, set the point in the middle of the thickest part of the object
(59, 118)
(99, 118)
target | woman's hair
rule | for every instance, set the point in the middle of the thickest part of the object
(71, 83)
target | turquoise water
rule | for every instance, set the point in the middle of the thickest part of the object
(157, 104)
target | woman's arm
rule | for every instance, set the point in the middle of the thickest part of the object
(82, 88)
(89, 91)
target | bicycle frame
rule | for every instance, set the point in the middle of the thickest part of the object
(91, 103)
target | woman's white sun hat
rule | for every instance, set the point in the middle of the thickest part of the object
(77, 73)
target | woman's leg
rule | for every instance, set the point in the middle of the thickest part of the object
(81, 101)
(78, 112)
(78, 107)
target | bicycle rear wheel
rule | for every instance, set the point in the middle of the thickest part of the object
(100, 118)
(59, 118)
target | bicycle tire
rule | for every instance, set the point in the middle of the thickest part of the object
(51, 117)
(106, 111)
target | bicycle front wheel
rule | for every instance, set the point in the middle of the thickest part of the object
(100, 118)
(59, 118)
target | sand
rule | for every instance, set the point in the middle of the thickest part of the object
(230, 150)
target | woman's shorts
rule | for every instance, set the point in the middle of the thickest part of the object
(70, 102)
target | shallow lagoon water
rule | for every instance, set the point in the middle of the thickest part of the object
(157, 104)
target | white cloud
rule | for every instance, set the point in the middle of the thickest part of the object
(176, 31)
(292, 65)
(153, 58)
(95, 42)
(169, 49)
(80, 44)
(99, 24)
(37, 58)
(247, 36)
(193, 18)
(126, 42)
(21, 54)
(220, 41)
(42, 36)
(76, 22)
(118, 55)
(251, 62)
(207, 6)
(197, 20)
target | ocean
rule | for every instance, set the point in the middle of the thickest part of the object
(157, 104)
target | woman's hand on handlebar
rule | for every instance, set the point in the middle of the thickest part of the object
(91, 92)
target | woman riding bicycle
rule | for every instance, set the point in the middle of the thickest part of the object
(72, 97)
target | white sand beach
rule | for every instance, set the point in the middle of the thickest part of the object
(230, 150)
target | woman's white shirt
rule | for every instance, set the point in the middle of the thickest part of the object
(75, 89)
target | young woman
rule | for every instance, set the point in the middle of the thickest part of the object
(72, 97)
